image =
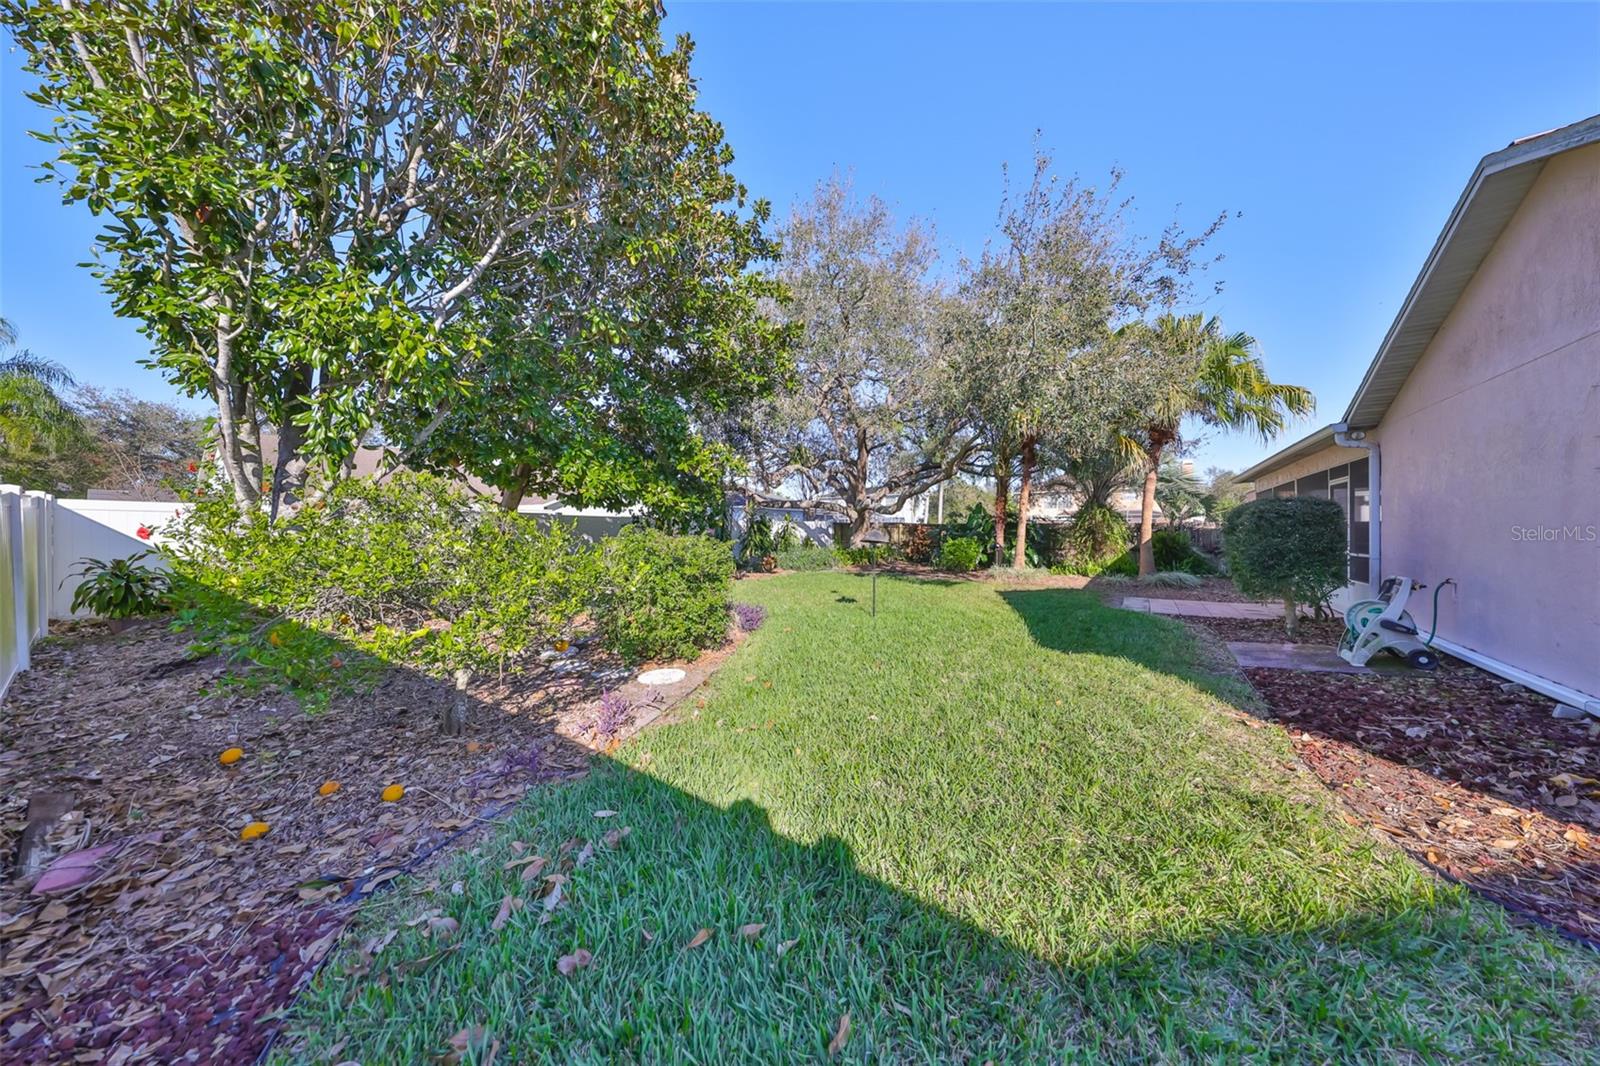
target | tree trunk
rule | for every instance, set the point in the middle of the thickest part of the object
(511, 498)
(1147, 508)
(1002, 497)
(859, 520)
(289, 466)
(1291, 616)
(453, 722)
(1019, 559)
(230, 416)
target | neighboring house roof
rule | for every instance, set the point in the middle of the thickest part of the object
(1497, 188)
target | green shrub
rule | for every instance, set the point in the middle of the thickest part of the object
(1095, 538)
(865, 555)
(807, 556)
(663, 596)
(121, 588)
(1174, 551)
(1172, 579)
(410, 569)
(960, 554)
(1288, 548)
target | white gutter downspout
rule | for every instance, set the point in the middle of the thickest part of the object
(1346, 438)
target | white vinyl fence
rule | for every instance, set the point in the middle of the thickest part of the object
(41, 540)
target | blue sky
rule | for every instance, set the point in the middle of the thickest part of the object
(1342, 133)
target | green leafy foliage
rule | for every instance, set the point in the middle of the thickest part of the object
(977, 525)
(806, 556)
(663, 596)
(504, 232)
(1288, 548)
(410, 569)
(865, 555)
(1096, 537)
(960, 554)
(763, 539)
(265, 648)
(121, 588)
(1174, 551)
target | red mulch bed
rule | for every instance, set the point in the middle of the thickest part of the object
(1271, 631)
(188, 940)
(1465, 772)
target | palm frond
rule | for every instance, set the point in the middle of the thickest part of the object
(24, 364)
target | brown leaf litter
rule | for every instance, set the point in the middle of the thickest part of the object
(177, 938)
(1465, 772)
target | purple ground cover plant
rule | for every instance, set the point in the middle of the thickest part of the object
(749, 616)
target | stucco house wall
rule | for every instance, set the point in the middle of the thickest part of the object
(1323, 459)
(1491, 450)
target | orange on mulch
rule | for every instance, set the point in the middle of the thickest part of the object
(1465, 772)
(187, 939)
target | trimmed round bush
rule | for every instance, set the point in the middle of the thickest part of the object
(960, 554)
(663, 596)
(1291, 548)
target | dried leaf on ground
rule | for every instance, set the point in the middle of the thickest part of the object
(566, 965)
(840, 1035)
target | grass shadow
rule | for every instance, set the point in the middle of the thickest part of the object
(828, 795)
(844, 805)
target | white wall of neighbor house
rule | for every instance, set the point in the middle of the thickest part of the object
(1491, 450)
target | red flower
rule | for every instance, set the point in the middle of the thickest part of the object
(193, 467)
(143, 532)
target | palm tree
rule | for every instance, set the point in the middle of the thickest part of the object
(1227, 387)
(1179, 492)
(35, 422)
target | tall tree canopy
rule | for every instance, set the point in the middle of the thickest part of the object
(1045, 362)
(335, 215)
(869, 424)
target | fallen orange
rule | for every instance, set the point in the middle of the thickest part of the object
(328, 788)
(254, 830)
(393, 793)
(231, 756)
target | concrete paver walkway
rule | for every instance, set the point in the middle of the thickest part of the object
(1315, 658)
(1202, 608)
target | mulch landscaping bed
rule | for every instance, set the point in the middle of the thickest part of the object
(1271, 631)
(181, 940)
(1465, 772)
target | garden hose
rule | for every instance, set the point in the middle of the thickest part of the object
(1436, 590)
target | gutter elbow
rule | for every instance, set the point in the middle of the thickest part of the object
(1346, 437)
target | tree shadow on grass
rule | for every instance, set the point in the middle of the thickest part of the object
(185, 937)
(919, 981)
(799, 936)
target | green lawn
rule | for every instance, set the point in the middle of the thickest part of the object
(996, 825)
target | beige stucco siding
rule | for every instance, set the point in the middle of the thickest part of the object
(1491, 450)
(1323, 459)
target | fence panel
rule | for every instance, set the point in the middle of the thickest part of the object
(41, 540)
